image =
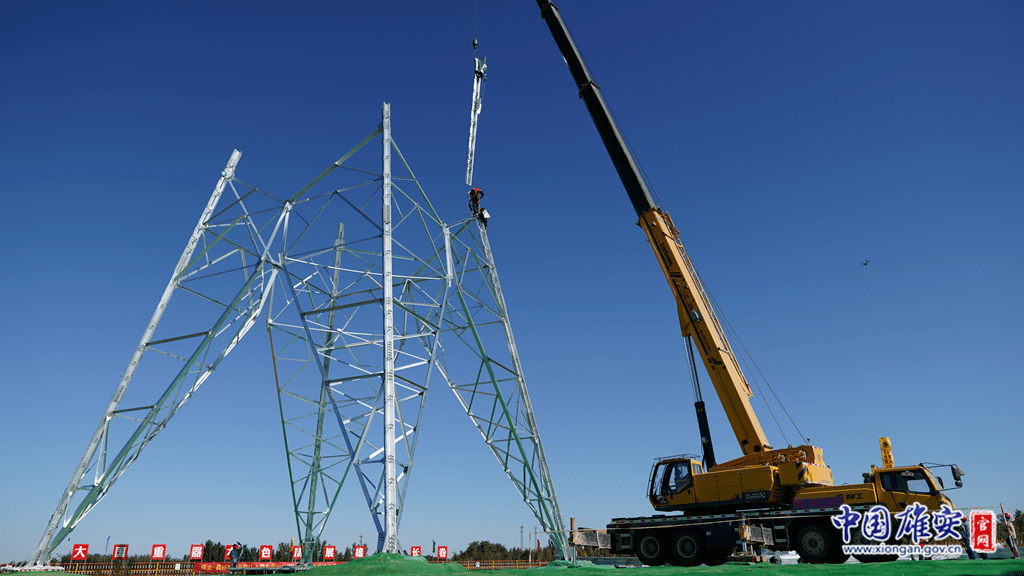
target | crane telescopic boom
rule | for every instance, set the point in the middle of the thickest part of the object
(696, 316)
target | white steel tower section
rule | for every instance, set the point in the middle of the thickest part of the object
(479, 77)
(391, 489)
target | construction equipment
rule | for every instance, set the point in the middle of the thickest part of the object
(764, 487)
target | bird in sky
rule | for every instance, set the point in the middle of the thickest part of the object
(865, 262)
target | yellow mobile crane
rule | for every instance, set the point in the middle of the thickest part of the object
(786, 495)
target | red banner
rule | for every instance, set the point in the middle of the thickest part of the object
(80, 552)
(195, 552)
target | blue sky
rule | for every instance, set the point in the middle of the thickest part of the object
(789, 142)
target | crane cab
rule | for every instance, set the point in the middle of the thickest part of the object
(680, 483)
(672, 481)
(899, 486)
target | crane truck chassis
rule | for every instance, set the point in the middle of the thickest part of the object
(802, 524)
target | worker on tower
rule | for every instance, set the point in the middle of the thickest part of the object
(474, 205)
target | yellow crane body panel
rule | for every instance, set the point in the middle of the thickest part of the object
(725, 489)
(829, 497)
(803, 474)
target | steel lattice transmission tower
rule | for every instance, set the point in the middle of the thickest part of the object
(368, 296)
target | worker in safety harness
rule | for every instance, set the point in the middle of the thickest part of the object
(475, 195)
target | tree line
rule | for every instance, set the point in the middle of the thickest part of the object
(484, 550)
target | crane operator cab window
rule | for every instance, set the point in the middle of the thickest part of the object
(911, 481)
(670, 478)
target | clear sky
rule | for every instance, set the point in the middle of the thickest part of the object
(789, 142)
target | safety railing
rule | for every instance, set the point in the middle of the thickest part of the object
(129, 568)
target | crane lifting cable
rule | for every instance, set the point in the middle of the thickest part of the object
(479, 77)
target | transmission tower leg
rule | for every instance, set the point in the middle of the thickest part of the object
(507, 425)
(551, 512)
(310, 528)
(157, 415)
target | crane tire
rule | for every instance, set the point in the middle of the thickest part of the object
(814, 543)
(650, 547)
(687, 548)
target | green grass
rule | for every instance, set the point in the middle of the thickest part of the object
(399, 564)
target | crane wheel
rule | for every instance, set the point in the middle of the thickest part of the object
(815, 544)
(650, 547)
(688, 548)
(857, 537)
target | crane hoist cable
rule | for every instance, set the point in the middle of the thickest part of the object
(735, 335)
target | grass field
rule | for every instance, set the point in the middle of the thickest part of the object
(398, 564)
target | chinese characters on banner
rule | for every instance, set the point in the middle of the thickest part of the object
(266, 553)
(442, 552)
(916, 523)
(159, 552)
(360, 552)
(79, 552)
(329, 553)
(416, 551)
(195, 552)
(983, 530)
(227, 551)
(120, 551)
(886, 445)
(296, 552)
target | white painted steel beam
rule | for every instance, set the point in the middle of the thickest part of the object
(479, 77)
(390, 491)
